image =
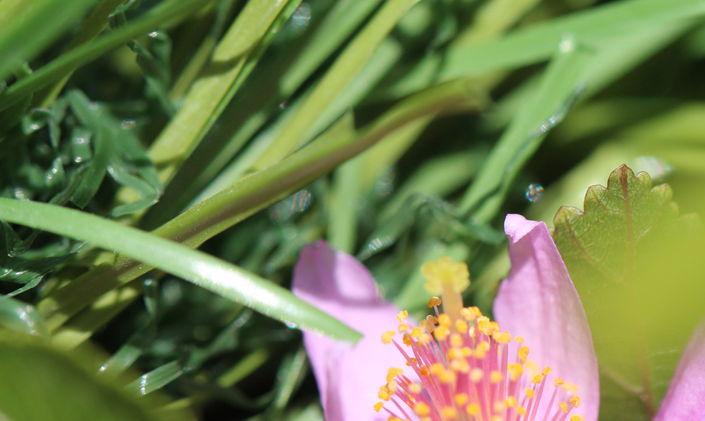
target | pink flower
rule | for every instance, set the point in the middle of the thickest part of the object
(482, 374)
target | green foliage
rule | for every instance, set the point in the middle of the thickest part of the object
(401, 131)
(634, 262)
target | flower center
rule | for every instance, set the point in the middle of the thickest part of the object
(468, 368)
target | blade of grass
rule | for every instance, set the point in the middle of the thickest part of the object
(595, 26)
(249, 195)
(30, 26)
(348, 65)
(91, 28)
(164, 16)
(255, 26)
(200, 268)
(524, 135)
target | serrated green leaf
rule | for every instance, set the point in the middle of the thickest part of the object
(633, 261)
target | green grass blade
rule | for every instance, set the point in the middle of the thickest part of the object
(249, 195)
(521, 139)
(30, 26)
(348, 65)
(165, 15)
(596, 27)
(200, 268)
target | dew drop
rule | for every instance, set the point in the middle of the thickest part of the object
(127, 124)
(301, 17)
(290, 325)
(385, 183)
(297, 202)
(567, 44)
(534, 192)
(93, 105)
(154, 34)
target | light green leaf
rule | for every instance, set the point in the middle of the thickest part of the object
(200, 268)
(634, 263)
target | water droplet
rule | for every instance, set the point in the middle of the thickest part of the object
(297, 202)
(290, 325)
(656, 167)
(385, 183)
(78, 159)
(301, 17)
(282, 105)
(34, 127)
(93, 105)
(127, 124)
(534, 192)
(567, 44)
(154, 34)
(80, 140)
(18, 193)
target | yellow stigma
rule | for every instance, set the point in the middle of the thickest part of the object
(449, 279)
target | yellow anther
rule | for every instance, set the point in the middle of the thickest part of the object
(467, 314)
(461, 326)
(392, 387)
(473, 409)
(575, 401)
(454, 353)
(466, 351)
(424, 339)
(529, 393)
(461, 399)
(460, 366)
(432, 319)
(577, 418)
(521, 410)
(496, 377)
(519, 339)
(510, 402)
(383, 395)
(449, 413)
(413, 360)
(426, 326)
(499, 407)
(441, 333)
(537, 379)
(415, 332)
(558, 382)
(564, 406)
(515, 371)
(523, 353)
(437, 368)
(403, 328)
(434, 302)
(546, 370)
(456, 340)
(475, 310)
(570, 388)
(402, 315)
(378, 406)
(444, 320)
(481, 349)
(407, 340)
(446, 271)
(393, 372)
(415, 388)
(476, 375)
(424, 370)
(502, 337)
(387, 336)
(421, 409)
(496, 418)
(447, 377)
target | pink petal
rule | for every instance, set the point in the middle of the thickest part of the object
(348, 376)
(538, 301)
(685, 399)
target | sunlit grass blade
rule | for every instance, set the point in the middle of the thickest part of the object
(202, 269)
